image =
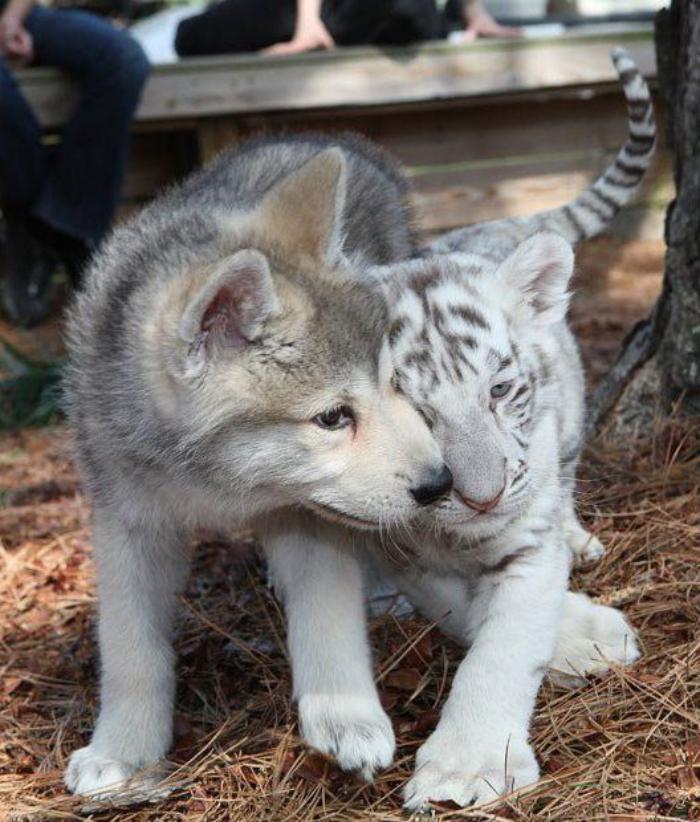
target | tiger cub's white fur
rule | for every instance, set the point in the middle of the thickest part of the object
(586, 216)
(490, 563)
(479, 343)
(491, 341)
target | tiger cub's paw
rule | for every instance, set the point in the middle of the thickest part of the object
(584, 546)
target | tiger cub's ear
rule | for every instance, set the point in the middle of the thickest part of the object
(535, 279)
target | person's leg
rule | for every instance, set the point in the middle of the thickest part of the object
(82, 188)
(382, 22)
(22, 156)
(27, 270)
(25, 290)
(232, 26)
(453, 16)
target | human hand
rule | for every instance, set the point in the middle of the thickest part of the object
(310, 34)
(481, 24)
(15, 41)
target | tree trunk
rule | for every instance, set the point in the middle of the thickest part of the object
(659, 365)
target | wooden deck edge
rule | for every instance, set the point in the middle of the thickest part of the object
(362, 77)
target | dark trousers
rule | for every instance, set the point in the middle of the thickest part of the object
(75, 187)
(249, 25)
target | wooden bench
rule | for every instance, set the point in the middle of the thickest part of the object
(485, 130)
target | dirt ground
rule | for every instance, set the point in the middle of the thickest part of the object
(624, 747)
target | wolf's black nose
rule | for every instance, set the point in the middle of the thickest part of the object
(437, 484)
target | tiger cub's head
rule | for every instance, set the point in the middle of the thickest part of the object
(471, 344)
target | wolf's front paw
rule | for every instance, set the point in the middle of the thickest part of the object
(100, 777)
(591, 638)
(450, 767)
(353, 729)
(584, 546)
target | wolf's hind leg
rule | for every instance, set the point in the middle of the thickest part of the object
(141, 567)
(442, 599)
(318, 575)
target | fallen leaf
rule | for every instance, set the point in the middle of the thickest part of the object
(688, 780)
(403, 679)
(10, 684)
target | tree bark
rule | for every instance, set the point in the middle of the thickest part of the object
(659, 365)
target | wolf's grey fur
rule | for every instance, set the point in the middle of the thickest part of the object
(192, 226)
(225, 362)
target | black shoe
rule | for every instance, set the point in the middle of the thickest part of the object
(27, 286)
(73, 252)
(75, 255)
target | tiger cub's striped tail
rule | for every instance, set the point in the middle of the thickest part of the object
(592, 211)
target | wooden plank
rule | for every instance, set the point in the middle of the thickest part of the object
(361, 77)
(157, 160)
(503, 138)
(480, 132)
(216, 134)
(455, 198)
(657, 182)
(493, 163)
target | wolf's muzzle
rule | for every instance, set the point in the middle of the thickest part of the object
(437, 484)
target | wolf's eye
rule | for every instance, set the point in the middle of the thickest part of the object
(335, 418)
(500, 389)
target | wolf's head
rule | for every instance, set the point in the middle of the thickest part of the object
(268, 361)
(472, 347)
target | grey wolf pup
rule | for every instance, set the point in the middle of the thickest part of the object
(226, 362)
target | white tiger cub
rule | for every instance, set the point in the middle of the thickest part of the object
(481, 349)
(483, 330)
(490, 340)
(588, 215)
(480, 345)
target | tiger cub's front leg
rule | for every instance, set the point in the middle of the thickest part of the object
(480, 747)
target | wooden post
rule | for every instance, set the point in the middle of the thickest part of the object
(216, 134)
(660, 360)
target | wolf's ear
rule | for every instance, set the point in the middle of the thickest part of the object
(535, 279)
(305, 210)
(230, 308)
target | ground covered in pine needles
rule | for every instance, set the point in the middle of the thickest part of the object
(625, 746)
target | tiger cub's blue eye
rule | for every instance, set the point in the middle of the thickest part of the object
(500, 389)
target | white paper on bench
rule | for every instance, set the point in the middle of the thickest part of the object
(156, 34)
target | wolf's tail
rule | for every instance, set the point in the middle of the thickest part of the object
(593, 210)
